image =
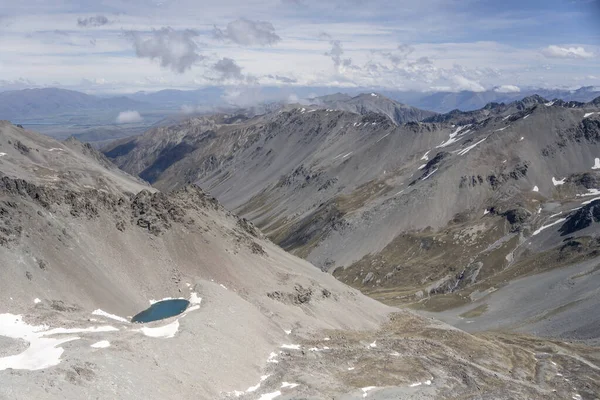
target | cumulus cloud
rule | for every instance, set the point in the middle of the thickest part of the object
(295, 99)
(336, 53)
(95, 21)
(248, 33)
(507, 89)
(281, 78)
(401, 54)
(462, 83)
(228, 69)
(176, 50)
(566, 52)
(129, 117)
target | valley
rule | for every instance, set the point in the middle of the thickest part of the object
(465, 224)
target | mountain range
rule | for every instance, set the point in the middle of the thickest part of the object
(434, 215)
(37, 103)
(67, 107)
(484, 219)
(84, 246)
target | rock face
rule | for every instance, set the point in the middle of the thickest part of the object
(581, 219)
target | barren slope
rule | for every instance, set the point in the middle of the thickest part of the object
(262, 324)
(405, 213)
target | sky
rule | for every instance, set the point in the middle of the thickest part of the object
(125, 46)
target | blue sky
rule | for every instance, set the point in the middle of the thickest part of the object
(114, 46)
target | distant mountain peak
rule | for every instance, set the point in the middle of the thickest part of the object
(371, 102)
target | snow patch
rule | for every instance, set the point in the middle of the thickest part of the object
(107, 315)
(270, 396)
(42, 352)
(587, 115)
(373, 95)
(56, 149)
(2, 154)
(591, 192)
(426, 156)
(289, 385)
(427, 382)
(103, 344)
(316, 349)
(367, 389)
(596, 163)
(558, 221)
(290, 346)
(36, 301)
(590, 201)
(153, 301)
(422, 166)
(272, 358)
(346, 155)
(486, 212)
(550, 104)
(501, 129)
(163, 332)
(255, 388)
(431, 173)
(373, 345)
(521, 139)
(557, 182)
(536, 189)
(351, 369)
(469, 148)
(195, 299)
(383, 137)
(453, 136)
(527, 116)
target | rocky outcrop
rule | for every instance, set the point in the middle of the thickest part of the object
(581, 219)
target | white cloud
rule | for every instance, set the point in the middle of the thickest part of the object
(176, 50)
(462, 83)
(566, 52)
(507, 89)
(129, 117)
(367, 53)
(228, 69)
(340, 64)
(248, 33)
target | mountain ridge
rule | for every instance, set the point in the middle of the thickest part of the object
(350, 193)
(78, 258)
